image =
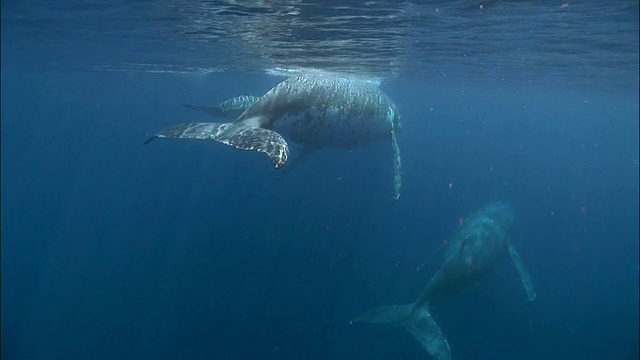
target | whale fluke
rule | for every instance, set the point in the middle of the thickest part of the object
(417, 321)
(238, 135)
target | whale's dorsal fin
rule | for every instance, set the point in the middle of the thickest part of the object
(241, 135)
(455, 249)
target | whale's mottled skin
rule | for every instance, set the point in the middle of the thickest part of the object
(468, 256)
(317, 111)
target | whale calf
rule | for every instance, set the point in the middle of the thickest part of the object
(316, 111)
(474, 249)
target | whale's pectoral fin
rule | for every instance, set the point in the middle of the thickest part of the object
(417, 321)
(397, 166)
(524, 274)
(238, 135)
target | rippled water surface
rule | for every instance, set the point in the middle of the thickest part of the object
(579, 43)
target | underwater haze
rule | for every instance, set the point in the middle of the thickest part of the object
(194, 250)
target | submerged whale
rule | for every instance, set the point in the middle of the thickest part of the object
(316, 111)
(470, 254)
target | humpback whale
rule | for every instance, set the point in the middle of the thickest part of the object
(481, 240)
(313, 110)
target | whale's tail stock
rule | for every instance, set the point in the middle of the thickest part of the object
(417, 321)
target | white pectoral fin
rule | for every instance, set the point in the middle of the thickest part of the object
(397, 166)
(239, 135)
(522, 271)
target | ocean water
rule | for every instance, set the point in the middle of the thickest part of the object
(193, 250)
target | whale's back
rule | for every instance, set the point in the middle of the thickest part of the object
(471, 253)
(326, 111)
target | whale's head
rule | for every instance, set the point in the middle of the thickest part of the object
(501, 213)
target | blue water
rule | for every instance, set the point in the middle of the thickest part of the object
(193, 250)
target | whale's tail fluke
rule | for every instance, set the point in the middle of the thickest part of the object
(417, 321)
(244, 135)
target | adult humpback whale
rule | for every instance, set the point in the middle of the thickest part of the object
(316, 111)
(470, 254)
